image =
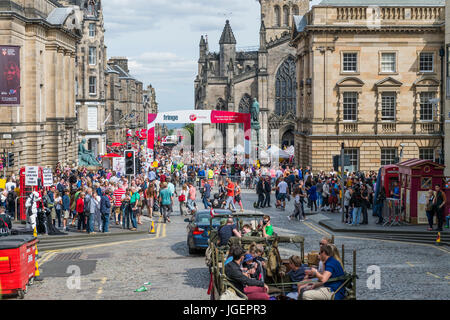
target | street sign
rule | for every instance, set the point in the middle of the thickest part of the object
(7, 136)
(48, 177)
(31, 176)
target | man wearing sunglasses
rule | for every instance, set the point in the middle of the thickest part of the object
(324, 290)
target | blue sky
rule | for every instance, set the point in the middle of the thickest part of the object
(161, 37)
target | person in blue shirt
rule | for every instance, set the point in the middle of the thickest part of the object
(324, 290)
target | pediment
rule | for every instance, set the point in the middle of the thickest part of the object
(388, 82)
(350, 82)
(427, 82)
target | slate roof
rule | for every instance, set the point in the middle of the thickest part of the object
(227, 35)
(384, 3)
(59, 15)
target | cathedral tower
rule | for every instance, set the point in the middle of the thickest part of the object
(227, 49)
(277, 15)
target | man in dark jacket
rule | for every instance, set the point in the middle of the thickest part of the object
(260, 193)
(356, 203)
(267, 190)
(236, 277)
(105, 209)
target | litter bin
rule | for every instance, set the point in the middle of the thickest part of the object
(17, 264)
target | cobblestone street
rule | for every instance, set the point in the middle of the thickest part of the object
(115, 271)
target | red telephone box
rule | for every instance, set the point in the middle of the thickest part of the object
(25, 191)
(389, 175)
(417, 177)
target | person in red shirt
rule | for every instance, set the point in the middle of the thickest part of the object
(230, 195)
(80, 212)
(118, 193)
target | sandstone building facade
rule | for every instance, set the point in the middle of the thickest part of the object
(446, 114)
(369, 77)
(229, 80)
(41, 130)
(124, 101)
(90, 76)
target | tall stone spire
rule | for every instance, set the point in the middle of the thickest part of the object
(262, 37)
(227, 35)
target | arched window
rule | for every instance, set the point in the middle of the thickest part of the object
(285, 15)
(295, 10)
(277, 16)
(244, 106)
(286, 97)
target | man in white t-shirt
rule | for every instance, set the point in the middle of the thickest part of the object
(282, 193)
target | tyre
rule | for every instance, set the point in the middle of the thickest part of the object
(20, 294)
(192, 250)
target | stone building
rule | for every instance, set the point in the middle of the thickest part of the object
(41, 130)
(230, 79)
(90, 77)
(124, 101)
(369, 76)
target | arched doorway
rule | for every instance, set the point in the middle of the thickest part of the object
(287, 139)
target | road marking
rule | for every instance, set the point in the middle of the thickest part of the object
(100, 290)
(111, 243)
(409, 264)
(47, 256)
(447, 277)
(433, 275)
(315, 229)
(397, 241)
(323, 230)
(164, 231)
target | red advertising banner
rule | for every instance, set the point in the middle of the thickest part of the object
(10, 75)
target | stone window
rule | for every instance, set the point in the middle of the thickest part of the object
(426, 107)
(388, 156)
(295, 10)
(426, 154)
(353, 154)
(92, 118)
(92, 55)
(285, 16)
(350, 62)
(285, 88)
(92, 85)
(92, 31)
(388, 62)
(350, 106)
(426, 62)
(277, 16)
(388, 102)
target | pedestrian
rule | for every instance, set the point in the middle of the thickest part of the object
(182, 200)
(105, 210)
(237, 196)
(260, 193)
(313, 196)
(191, 199)
(230, 195)
(267, 191)
(118, 194)
(139, 205)
(356, 204)
(90, 208)
(58, 207)
(134, 207)
(65, 210)
(165, 198)
(206, 194)
(347, 197)
(80, 212)
(282, 194)
(430, 208)
(439, 204)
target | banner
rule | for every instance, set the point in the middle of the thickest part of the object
(10, 75)
(31, 176)
(119, 165)
(47, 176)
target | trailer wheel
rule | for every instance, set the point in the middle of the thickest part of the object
(20, 294)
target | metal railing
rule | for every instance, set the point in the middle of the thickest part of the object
(392, 212)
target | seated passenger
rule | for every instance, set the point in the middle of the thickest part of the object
(266, 227)
(246, 230)
(324, 290)
(227, 231)
(296, 274)
(254, 289)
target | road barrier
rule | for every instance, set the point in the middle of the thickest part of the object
(392, 212)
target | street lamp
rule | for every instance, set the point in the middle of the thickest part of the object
(435, 103)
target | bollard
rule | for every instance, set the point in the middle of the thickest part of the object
(152, 227)
(438, 239)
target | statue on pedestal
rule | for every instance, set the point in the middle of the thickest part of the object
(86, 157)
(254, 111)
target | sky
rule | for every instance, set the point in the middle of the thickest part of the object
(161, 37)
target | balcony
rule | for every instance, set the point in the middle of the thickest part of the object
(429, 128)
(350, 128)
(387, 128)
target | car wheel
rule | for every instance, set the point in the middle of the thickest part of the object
(192, 250)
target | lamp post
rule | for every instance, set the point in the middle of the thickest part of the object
(435, 102)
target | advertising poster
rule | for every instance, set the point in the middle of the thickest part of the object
(31, 176)
(10, 75)
(119, 165)
(47, 175)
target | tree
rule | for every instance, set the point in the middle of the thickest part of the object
(190, 129)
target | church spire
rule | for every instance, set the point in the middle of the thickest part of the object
(262, 37)
(227, 35)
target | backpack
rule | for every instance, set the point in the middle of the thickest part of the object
(87, 206)
(4, 228)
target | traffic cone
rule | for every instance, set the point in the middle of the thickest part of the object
(152, 227)
(35, 232)
(438, 239)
